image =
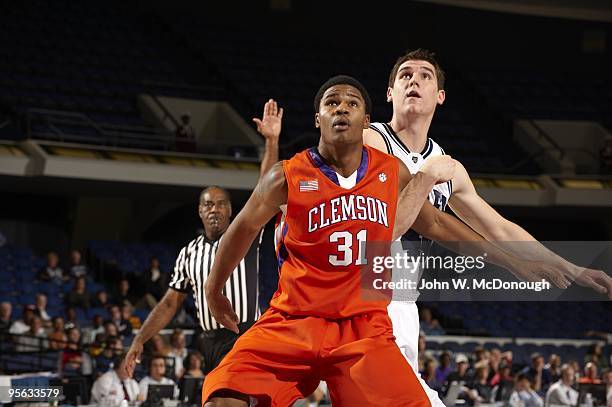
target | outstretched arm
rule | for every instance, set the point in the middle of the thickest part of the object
(481, 217)
(269, 194)
(269, 126)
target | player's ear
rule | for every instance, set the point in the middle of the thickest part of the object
(441, 96)
(366, 121)
(389, 93)
(317, 122)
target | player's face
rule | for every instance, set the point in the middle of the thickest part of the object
(342, 115)
(215, 210)
(415, 90)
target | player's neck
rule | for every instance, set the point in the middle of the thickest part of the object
(344, 158)
(412, 130)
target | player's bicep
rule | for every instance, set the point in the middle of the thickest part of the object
(373, 139)
(265, 201)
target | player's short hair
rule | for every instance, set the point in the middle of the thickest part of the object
(207, 189)
(343, 80)
(419, 54)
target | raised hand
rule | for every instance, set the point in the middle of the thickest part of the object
(269, 126)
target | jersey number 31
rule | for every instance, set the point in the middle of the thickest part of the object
(345, 248)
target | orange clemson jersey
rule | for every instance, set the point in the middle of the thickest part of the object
(321, 250)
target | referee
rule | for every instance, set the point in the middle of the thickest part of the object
(195, 260)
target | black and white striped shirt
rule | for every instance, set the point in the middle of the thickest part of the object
(193, 266)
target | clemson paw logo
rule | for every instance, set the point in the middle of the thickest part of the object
(382, 177)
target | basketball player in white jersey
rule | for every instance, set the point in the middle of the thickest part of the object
(416, 88)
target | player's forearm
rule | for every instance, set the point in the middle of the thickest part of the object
(159, 317)
(270, 155)
(235, 244)
(411, 201)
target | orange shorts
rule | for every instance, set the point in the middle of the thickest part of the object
(282, 358)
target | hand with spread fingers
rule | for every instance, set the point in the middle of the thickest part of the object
(269, 126)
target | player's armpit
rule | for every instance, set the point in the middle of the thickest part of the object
(373, 139)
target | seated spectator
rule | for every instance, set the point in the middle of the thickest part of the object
(111, 388)
(155, 283)
(540, 378)
(78, 296)
(590, 374)
(73, 360)
(97, 327)
(429, 374)
(112, 348)
(607, 379)
(505, 385)
(122, 294)
(459, 375)
(70, 316)
(561, 392)
(6, 310)
(21, 326)
(429, 325)
(423, 353)
(52, 271)
(595, 355)
(41, 309)
(192, 365)
(554, 367)
(480, 391)
(35, 340)
(158, 346)
(127, 312)
(178, 351)
(495, 360)
(110, 329)
(100, 300)
(444, 369)
(123, 326)
(77, 268)
(57, 338)
(157, 370)
(524, 395)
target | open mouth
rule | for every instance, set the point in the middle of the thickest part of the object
(340, 124)
(413, 94)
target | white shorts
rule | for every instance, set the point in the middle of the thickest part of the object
(405, 318)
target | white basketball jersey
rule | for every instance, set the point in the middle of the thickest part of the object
(412, 242)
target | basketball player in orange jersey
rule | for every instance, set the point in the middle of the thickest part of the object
(318, 325)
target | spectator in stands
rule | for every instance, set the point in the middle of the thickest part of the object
(78, 296)
(607, 379)
(605, 155)
(21, 326)
(495, 359)
(34, 340)
(595, 354)
(480, 391)
(112, 348)
(70, 318)
(590, 374)
(157, 370)
(185, 135)
(158, 346)
(52, 271)
(423, 353)
(97, 327)
(127, 312)
(561, 392)
(505, 385)
(77, 268)
(429, 325)
(122, 294)
(178, 351)
(155, 283)
(524, 395)
(100, 300)
(458, 376)
(554, 367)
(58, 338)
(123, 326)
(41, 309)
(6, 311)
(110, 329)
(539, 377)
(72, 357)
(444, 369)
(193, 365)
(429, 374)
(114, 387)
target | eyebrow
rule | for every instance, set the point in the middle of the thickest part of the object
(411, 68)
(351, 94)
